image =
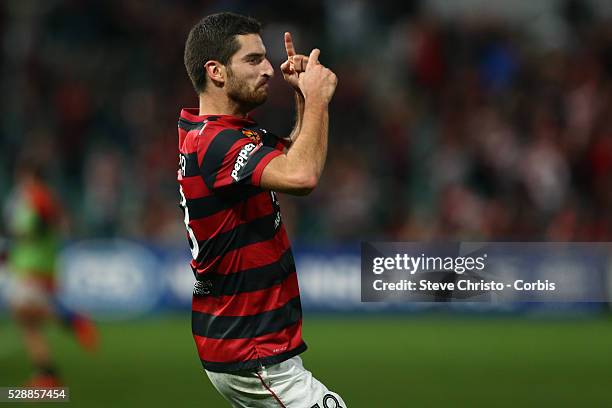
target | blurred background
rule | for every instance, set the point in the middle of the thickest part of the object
(453, 120)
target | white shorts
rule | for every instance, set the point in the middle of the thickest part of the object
(287, 384)
(21, 292)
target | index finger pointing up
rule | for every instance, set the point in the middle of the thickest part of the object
(289, 45)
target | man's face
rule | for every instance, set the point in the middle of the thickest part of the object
(249, 72)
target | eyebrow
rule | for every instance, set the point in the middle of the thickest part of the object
(253, 55)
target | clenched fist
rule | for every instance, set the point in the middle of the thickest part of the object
(317, 82)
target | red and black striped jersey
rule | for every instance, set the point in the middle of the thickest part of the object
(246, 309)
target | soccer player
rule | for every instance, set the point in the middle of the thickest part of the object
(33, 220)
(247, 317)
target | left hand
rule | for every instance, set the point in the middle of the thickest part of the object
(295, 64)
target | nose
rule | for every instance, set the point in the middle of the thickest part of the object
(268, 69)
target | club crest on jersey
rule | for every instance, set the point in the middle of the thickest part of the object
(241, 159)
(253, 135)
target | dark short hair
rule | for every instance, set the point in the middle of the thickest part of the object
(214, 38)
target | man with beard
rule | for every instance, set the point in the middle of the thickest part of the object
(246, 311)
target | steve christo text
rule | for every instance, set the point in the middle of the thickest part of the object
(457, 264)
(464, 285)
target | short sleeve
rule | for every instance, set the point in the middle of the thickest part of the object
(232, 159)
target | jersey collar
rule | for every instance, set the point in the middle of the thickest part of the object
(191, 114)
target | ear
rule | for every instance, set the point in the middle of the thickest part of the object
(215, 71)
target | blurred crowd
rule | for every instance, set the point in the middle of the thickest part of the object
(472, 127)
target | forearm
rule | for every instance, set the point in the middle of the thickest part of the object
(299, 115)
(308, 153)
(298, 171)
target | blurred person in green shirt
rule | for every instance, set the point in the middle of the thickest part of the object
(34, 220)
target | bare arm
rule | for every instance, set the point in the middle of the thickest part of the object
(299, 114)
(298, 171)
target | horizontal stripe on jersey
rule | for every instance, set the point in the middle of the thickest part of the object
(258, 230)
(240, 327)
(193, 187)
(241, 213)
(257, 361)
(221, 350)
(266, 252)
(212, 204)
(244, 303)
(238, 260)
(247, 280)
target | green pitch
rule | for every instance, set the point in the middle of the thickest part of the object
(373, 362)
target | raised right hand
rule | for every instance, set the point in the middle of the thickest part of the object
(317, 82)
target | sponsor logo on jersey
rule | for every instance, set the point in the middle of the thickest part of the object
(253, 135)
(201, 288)
(242, 158)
